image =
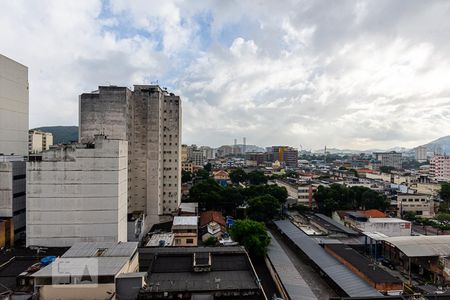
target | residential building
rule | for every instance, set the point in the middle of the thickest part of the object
(221, 177)
(420, 204)
(13, 197)
(198, 273)
(185, 229)
(78, 193)
(224, 151)
(39, 141)
(13, 107)
(258, 157)
(440, 167)
(421, 154)
(197, 158)
(285, 154)
(87, 271)
(212, 224)
(389, 159)
(184, 153)
(149, 118)
(208, 152)
(187, 166)
(188, 209)
(306, 192)
(387, 226)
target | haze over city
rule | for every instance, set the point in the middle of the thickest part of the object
(347, 74)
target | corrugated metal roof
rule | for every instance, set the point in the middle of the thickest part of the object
(421, 246)
(185, 221)
(82, 266)
(110, 249)
(336, 224)
(293, 282)
(349, 282)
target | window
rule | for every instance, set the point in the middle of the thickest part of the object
(177, 241)
(189, 241)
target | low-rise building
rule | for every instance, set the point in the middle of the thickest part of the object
(39, 141)
(420, 204)
(86, 271)
(185, 230)
(212, 224)
(389, 159)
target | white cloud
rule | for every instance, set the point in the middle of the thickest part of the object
(364, 74)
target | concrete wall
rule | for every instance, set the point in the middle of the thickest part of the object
(78, 195)
(13, 107)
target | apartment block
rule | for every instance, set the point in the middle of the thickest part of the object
(420, 204)
(78, 193)
(440, 167)
(285, 154)
(39, 141)
(421, 154)
(149, 118)
(389, 159)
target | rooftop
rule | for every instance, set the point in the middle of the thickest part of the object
(422, 246)
(387, 220)
(103, 249)
(185, 221)
(210, 216)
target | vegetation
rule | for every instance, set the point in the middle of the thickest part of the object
(186, 176)
(62, 134)
(256, 177)
(252, 235)
(337, 196)
(386, 169)
(202, 174)
(263, 208)
(207, 167)
(445, 191)
(237, 176)
(211, 241)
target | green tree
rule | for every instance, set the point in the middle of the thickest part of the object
(445, 191)
(186, 176)
(207, 167)
(202, 174)
(256, 177)
(386, 169)
(263, 208)
(409, 215)
(231, 198)
(237, 176)
(207, 193)
(443, 217)
(252, 235)
(211, 241)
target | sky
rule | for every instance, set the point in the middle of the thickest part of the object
(346, 74)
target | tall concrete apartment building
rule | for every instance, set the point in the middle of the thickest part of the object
(149, 118)
(78, 193)
(440, 167)
(421, 154)
(389, 159)
(285, 154)
(14, 103)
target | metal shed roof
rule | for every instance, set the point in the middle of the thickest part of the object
(422, 246)
(293, 282)
(349, 282)
(336, 224)
(111, 249)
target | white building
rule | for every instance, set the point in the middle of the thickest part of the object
(420, 204)
(389, 159)
(13, 107)
(78, 193)
(421, 154)
(440, 167)
(386, 226)
(149, 118)
(39, 141)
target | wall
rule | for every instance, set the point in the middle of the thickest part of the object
(13, 107)
(78, 195)
(77, 291)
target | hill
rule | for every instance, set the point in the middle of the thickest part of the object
(443, 143)
(61, 134)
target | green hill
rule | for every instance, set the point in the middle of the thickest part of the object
(62, 134)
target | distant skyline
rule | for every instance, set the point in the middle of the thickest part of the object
(346, 74)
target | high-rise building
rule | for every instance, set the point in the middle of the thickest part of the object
(184, 153)
(39, 141)
(440, 167)
(389, 159)
(78, 193)
(421, 153)
(13, 107)
(13, 147)
(285, 154)
(149, 118)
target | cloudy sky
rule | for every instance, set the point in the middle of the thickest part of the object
(348, 74)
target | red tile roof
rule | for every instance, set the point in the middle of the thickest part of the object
(373, 213)
(211, 215)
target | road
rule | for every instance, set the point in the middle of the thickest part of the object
(317, 284)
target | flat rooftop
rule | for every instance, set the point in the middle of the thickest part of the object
(185, 221)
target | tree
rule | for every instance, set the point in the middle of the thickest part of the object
(207, 167)
(252, 235)
(256, 177)
(186, 176)
(263, 208)
(211, 241)
(445, 191)
(207, 193)
(237, 176)
(409, 215)
(386, 169)
(202, 174)
(443, 217)
(231, 198)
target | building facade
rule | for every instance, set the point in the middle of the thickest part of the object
(389, 159)
(78, 193)
(421, 154)
(420, 204)
(285, 154)
(39, 141)
(440, 167)
(13, 107)
(149, 118)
